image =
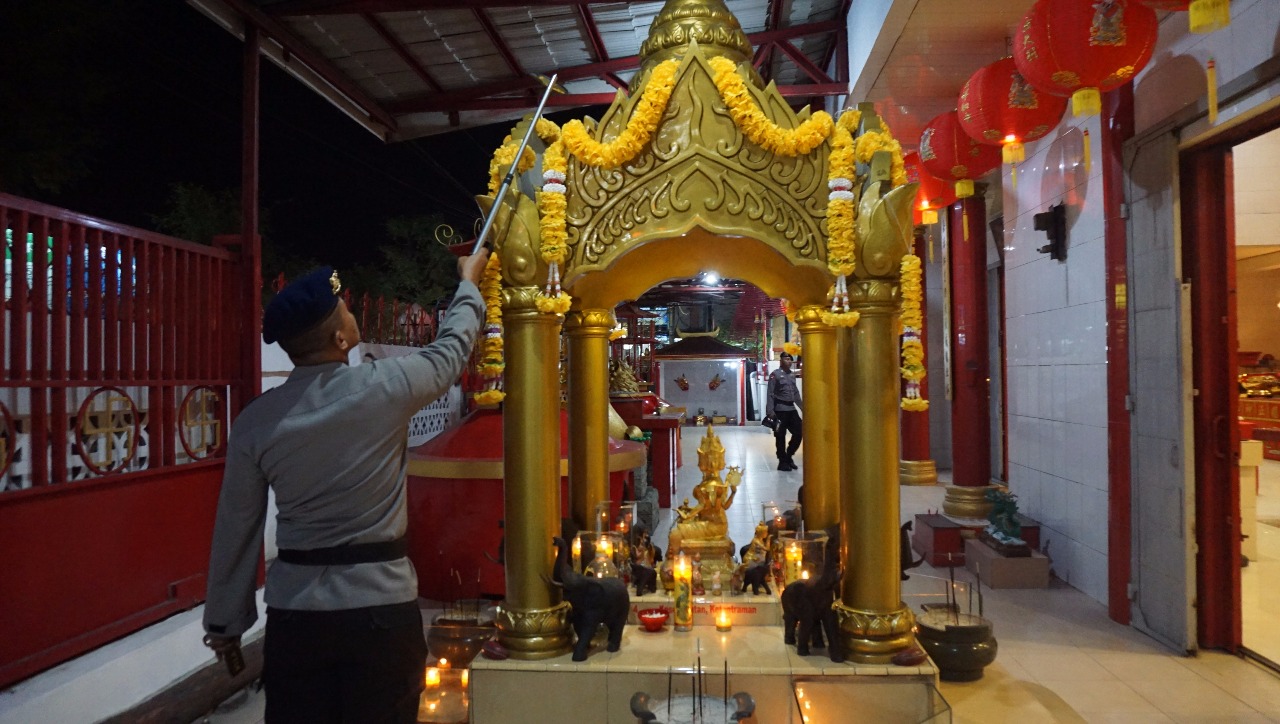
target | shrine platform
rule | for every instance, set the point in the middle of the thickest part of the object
(662, 664)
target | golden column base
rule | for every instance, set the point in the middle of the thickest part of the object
(917, 472)
(873, 637)
(533, 634)
(967, 501)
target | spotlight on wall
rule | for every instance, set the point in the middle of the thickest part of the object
(1054, 224)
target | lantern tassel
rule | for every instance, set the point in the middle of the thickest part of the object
(1211, 78)
(1088, 153)
(1013, 152)
(964, 188)
(1210, 15)
(1013, 177)
(1086, 102)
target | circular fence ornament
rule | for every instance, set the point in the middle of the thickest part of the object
(201, 423)
(9, 444)
(110, 415)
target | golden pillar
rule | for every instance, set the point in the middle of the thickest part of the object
(533, 620)
(588, 332)
(821, 420)
(873, 619)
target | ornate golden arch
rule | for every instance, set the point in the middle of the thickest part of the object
(745, 193)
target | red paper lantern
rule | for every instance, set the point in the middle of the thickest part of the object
(998, 107)
(947, 152)
(932, 194)
(1081, 48)
(1206, 15)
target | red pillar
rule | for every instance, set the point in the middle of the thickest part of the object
(916, 467)
(1117, 127)
(970, 399)
(250, 244)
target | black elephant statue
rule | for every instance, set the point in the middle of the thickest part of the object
(756, 576)
(595, 601)
(807, 611)
(645, 578)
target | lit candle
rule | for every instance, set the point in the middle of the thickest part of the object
(577, 554)
(722, 620)
(804, 575)
(605, 547)
(793, 558)
(466, 677)
(682, 573)
(433, 676)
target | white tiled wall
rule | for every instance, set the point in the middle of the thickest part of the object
(1056, 355)
(1175, 78)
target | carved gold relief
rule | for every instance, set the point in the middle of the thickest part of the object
(698, 171)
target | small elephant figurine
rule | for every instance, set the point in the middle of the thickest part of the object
(645, 578)
(595, 601)
(807, 611)
(756, 575)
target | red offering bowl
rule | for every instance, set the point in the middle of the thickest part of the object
(653, 619)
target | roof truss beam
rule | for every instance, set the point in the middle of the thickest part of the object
(814, 90)
(348, 7)
(385, 33)
(458, 99)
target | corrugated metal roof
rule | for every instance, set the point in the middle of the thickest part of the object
(431, 66)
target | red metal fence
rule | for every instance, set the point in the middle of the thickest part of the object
(120, 351)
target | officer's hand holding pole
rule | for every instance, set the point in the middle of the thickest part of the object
(471, 267)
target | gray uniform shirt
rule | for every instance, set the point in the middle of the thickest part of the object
(332, 443)
(783, 394)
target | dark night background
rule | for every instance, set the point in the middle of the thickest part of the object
(135, 96)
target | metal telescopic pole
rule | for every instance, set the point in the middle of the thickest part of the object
(511, 173)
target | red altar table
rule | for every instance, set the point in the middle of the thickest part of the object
(664, 447)
(456, 510)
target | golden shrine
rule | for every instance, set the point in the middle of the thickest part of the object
(703, 166)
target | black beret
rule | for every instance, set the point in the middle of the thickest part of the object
(301, 305)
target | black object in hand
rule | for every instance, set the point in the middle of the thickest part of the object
(234, 659)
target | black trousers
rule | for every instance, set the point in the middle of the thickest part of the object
(355, 665)
(788, 421)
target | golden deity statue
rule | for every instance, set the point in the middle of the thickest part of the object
(703, 528)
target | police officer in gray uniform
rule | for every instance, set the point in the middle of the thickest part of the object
(782, 404)
(344, 639)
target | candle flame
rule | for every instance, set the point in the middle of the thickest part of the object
(433, 676)
(443, 663)
(804, 575)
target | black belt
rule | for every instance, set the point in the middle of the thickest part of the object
(390, 550)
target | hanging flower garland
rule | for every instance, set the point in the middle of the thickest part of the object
(653, 103)
(490, 365)
(503, 157)
(756, 126)
(913, 370)
(554, 237)
(617, 333)
(872, 141)
(791, 348)
(841, 248)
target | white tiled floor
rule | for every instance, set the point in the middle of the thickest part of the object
(1060, 660)
(1259, 580)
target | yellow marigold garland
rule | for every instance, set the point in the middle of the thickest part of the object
(791, 348)
(554, 237)
(841, 247)
(913, 369)
(503, 157)
(756, 126)
(617, 333)
(490, 365)
(653, 103)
